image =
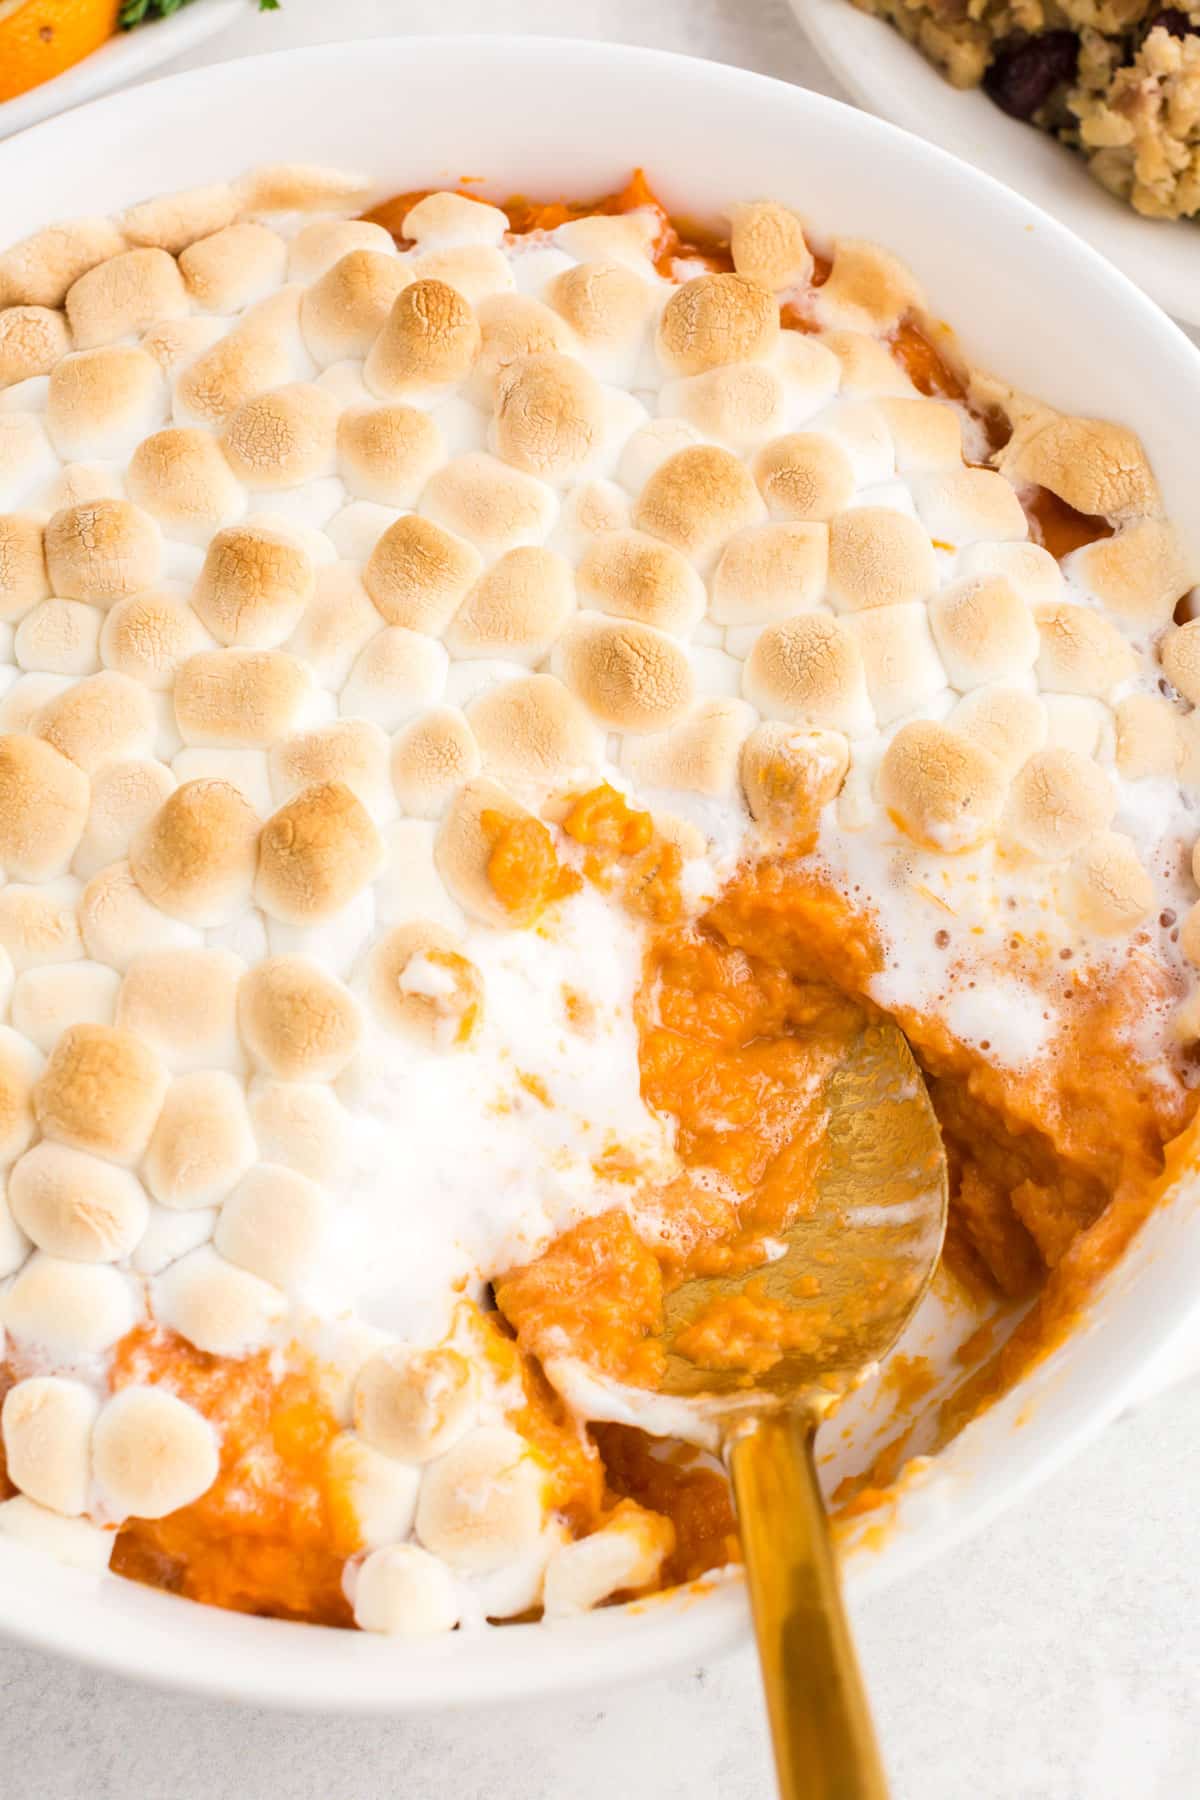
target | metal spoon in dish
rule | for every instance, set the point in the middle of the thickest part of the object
(855, 1263)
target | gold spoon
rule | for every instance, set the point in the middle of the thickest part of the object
(853, 1271)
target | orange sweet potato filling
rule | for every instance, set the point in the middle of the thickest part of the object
(739, 1019)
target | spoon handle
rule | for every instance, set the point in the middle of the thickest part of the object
(825, 1746)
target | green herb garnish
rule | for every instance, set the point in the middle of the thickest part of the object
(140, 12)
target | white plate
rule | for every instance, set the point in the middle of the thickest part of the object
(883, 72)
(1030, 300)
(123, 58)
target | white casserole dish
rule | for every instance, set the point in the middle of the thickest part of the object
(1029, 300)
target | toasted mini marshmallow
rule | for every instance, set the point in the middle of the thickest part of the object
(429, 341)
(607, 306)
(302, 1126)
(630, 676)
(900, 660)
(789, 773)
(77, 1206)
(315, 853)
(445, 218)
(740, 404)
(152, 1453)
(867, 366)
(47, 1426)
(183, 1002)
(415, 1405)
(39, 924)
(254, 587)
(1097, 467)
(43, 807)
(100, 403)
(768, 245)
(75, 1543)
(878, 557)
(984, 631)
(494, 507)
(182, 480)
(316, 247)
(1140, 574)
(405, 1592)
(1010, 723)
(632, 575)
(699, 755)
(335, 626)
(343, 312)
(381, 1493)
(1059, 800)
(1148, 741)
(927, 434)
(964, 506)
(1112, 892)
(769, 572)
(32, 341)
(121, 297)
(67, 1310)
(650, 447)
(125, 797)
(1027, 567)
(464, 845)
(696, 500)
(550, 417)
(195, 859)
(59, 637)
(297, 1022)
(1076, 722)
(249, 361)
(173, 221)
(418, 574)
(14, 1245)
(1179, 654)
(716, 319)
(284, 438)
(149, 636)
(215, 1306)
(20, 1066)
(119, 923)
(512, 326)
(250, 697)
(476, 271)
(944, 790)
(273, 1224)
(102, 551)
(105, 718)
(422, 987)
(431, 758)
(533, 733)
(388, 453)
(351, 750)
(867, 289)
(624, 1556)
(101, 1090)
(39, 270)
(516, 610)
(1081, 652)
(227, 269)
(28, 464)
(299, 187)
(482, 1503)
(809, 670)
(173, 343)
(397, 674)
(23, 577)
(47, 999)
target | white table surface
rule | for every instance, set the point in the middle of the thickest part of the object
(1057, 1657)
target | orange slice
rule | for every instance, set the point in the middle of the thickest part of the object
(41, 38)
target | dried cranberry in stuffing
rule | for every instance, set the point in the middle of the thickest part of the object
(1026, 70)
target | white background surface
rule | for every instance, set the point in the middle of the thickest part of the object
(1055, 1658)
